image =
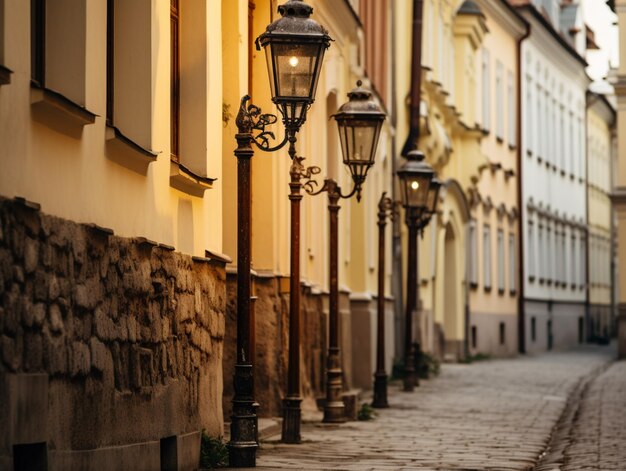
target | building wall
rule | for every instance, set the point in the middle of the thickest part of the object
(599, 128)
(493, 298)
(553, 156)
(619, 190)
(116, 316)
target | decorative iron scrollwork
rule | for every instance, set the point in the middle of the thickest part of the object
(250, 119)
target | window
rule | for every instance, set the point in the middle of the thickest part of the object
(533, 328)
(574, 259)
(512, 122)
(486, 101)
(487, 257)
(474, 336)
(502, 333)
(473, 249)
(540, 130)
(500, 261)
(174, 80)
(512, 264)
(499, 102)
(531, 251)
(581, 330)
(549, 261)
(530, 105)
(37, 41)
(583, 260)
(542, 253)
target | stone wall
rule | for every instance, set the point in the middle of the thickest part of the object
(105, 342)
(271, 308)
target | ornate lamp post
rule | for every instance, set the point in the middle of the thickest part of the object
(417, 192)
(295, 47)
(386, 208)
(359, 122)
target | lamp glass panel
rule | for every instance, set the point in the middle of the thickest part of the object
(431, 202)
(359, 139)
(292, 69)
(416, 190)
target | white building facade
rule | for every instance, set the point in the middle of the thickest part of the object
(553, 175)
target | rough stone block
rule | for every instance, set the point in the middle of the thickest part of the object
(56, 319)
(56, 355)
(80, 359)
(31, 255)
(33, 352)
(40, 286)
(11, 352)
(104, 326)
(101, 358)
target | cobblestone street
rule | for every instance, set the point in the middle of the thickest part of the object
(488, 415)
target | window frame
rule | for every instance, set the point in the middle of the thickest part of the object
(175, 80)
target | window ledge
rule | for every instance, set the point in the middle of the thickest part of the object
(512, 146)
(188, 182)
(488, 289)
(57, 107)
(513, 292)
(499, 139)
(501, 291)
(5, 75)
(123, 151)
(529, 152)
(473, 285)
(531, 278)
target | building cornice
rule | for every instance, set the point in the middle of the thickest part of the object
(506, 16)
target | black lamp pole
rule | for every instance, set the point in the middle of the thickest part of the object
(359, 122)
(386, 208)
(294, 46)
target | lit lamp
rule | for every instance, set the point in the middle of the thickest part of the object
(359, 122)
(294, 46)
(294, 49)
(416, 180)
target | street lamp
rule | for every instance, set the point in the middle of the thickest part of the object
(359, 122)
(419, 198)
(386, 209)
(295, 47)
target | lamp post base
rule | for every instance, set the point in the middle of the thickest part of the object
(409, 379)
(243, 427)
(292, 416)
(334, 412)
(380, 391)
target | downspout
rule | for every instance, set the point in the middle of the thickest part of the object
(416, 78)
(590, 100)
(396, 256)
(521, 314)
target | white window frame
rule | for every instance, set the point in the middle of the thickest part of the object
(499, 101)
(486, 105)
(531, 250)
(501, 275)
(512, 264)
(512, 121)
(487, 256)
(473, 254)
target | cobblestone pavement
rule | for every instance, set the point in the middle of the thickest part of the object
(488, 415)
(598, 435)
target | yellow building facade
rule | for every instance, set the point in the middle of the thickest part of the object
(493, 231)
(112, 184)
(600, 122)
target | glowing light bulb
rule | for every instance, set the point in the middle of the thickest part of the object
(414, 185)
(293, 61)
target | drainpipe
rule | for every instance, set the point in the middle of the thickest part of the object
(521, 314)
(396, 256)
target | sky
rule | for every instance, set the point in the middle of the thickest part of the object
(599, 17)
